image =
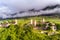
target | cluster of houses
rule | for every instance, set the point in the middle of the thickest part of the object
(47, 25)
(36, 25)
(14, 22)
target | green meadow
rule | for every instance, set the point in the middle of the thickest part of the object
(23, 31)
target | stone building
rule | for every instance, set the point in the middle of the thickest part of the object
(33, 22)
(43, 20)
(14, 22)
(53, 27)
(4, 24)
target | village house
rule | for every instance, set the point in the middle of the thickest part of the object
(43, 20)
(4, 24)
(0, 25)
(53, 27)
(14, 22)
(33, 22)
(46, 25)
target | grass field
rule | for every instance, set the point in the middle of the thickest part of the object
(22, 32)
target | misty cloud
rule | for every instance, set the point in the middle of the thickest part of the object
(9, 7)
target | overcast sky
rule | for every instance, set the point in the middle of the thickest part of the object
(12, 6)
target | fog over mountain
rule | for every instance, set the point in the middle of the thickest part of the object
(22, 8)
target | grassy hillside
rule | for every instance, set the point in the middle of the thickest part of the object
(23, 31)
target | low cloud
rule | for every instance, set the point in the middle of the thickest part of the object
(9, 7)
